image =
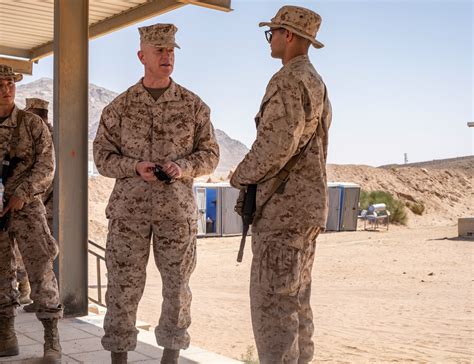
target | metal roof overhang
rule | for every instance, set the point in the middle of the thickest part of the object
(27, 30)
(28, 25)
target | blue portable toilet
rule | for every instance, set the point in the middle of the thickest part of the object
(343, 206)
(216, 215)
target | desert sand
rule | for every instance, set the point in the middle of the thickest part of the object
(402, 295)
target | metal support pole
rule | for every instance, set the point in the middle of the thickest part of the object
(70, 135)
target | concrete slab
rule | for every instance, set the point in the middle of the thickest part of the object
(80, 340)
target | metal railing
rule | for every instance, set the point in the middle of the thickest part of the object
(98, 258)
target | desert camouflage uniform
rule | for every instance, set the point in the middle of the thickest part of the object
(21, 274)
(284, 237)
(133, 128)
(48, 195)
(35, 104)
(31, 177)
(47, 199)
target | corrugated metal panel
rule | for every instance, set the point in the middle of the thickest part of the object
(28, 24)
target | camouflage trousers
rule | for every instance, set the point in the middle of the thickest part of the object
(126, 257)
(280, 291)
(21, 273)
(38, 249)
(48, 205)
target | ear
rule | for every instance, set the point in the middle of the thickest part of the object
(141, 56)
(289, 36)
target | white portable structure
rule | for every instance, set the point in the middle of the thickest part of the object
(216, 215)
(343, 206)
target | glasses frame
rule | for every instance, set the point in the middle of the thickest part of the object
(269, 34)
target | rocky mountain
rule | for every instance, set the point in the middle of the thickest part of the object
(232, 151)
(42, 88)
(99, 97)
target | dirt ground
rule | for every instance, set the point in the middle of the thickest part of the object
(403, 295)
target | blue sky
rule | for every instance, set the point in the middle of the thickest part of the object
(399, 73)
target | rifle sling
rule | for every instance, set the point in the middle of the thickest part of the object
(284, 173)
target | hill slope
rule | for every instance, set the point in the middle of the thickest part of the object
(232, 151)
(445, 188)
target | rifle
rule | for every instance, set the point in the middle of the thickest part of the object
(9, 162)
(248, 212)
(6, 170)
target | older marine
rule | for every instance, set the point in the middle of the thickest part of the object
(155, 123)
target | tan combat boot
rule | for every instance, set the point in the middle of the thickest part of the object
(25, 290)
(119, 358)
(52, 348)
(170, 356)
(9, 342)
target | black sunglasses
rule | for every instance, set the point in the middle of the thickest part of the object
(269, 34)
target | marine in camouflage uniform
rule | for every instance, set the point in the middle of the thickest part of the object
(25, 136)
(294, 112)
(38, 107)
(156, 121)
(21, 277)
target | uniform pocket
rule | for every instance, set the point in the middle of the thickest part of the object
(176, 132)
(280, 269)
(135, 135)
(51, 245)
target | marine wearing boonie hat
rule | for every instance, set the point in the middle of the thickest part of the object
(301, 21)
(36, 103)
(6, 72)
(159, 35)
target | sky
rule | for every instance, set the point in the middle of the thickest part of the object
(399, 73)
